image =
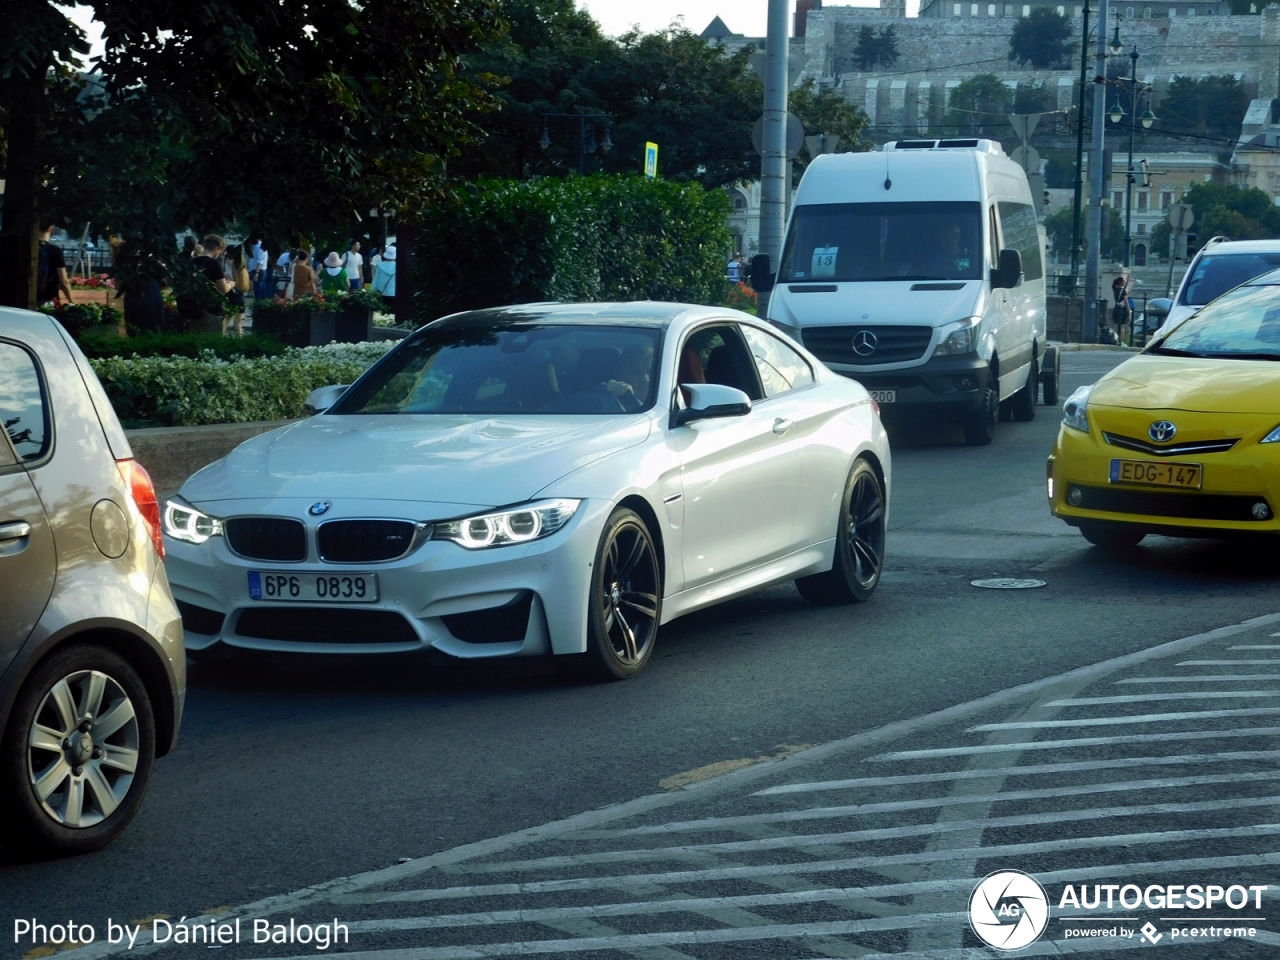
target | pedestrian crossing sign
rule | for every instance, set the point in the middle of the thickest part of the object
(650, 159)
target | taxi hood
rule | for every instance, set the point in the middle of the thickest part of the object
(1149, 382)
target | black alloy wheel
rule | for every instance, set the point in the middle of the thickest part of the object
(626, 598)
(859, 548)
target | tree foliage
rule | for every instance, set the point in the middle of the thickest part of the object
(824, 111)
(1041, 40)
(1237, 213)
(980, 107)
(1211, 106)
(1058, 232)
(876, 49)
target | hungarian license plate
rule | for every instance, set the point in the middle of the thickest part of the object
(1186, 475)
(314, 587)
(883, 396)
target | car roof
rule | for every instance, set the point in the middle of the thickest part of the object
(1242, 246)
(16, 322)
(650, 313)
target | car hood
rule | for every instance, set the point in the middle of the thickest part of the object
(1187, 383)
(467, 460)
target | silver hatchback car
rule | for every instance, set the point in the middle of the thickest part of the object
(92, 665)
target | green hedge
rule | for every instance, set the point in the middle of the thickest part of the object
(574, 239)
(181, 345)
(185, 391)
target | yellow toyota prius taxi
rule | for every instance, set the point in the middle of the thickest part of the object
(1182, 439)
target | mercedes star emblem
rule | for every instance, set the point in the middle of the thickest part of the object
(1162, 431)
(864, 343)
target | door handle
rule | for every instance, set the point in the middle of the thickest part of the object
(14, 531)
(782, 425)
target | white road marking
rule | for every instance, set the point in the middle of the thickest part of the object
(1203, 678)
(1224, 663)
(1030, 769)
(1256, 646)
(1120, 721)
(1161, 697)
(1077, 743)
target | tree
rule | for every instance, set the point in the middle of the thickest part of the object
(1058, 231)
(1211, 106)
(826, 112)
(876, 49)
(1041, 40)
(295, 118)
(1239, 213)
(1033, 98)
(980, 107)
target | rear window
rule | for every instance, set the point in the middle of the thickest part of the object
(1215, 275)
(24, 410)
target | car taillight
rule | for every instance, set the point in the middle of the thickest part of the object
(876, 407)
(143, 492)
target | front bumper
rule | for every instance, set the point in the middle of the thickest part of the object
(942, 389)
(465, 603)
(1239, 492)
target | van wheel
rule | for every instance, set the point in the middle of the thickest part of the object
(1049, 375)
(980, 428)
(76, 759)
(1023, 403)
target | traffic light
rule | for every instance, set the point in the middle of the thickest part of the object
(1192, 246)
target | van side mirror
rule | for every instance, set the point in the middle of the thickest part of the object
(708, 400)
(1009, 274)
(320, 400)
(761, 278)
(1159, 307)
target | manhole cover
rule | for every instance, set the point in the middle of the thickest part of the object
(1008, 583)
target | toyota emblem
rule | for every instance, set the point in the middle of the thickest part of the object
(319, 509)
(864, 343)
(1162, 431)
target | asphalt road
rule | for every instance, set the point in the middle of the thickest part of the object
(294, 772)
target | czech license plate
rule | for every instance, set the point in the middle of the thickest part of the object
(1185, 475)
(314, 587)
(883, 396)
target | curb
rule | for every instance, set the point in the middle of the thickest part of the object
(1076, 347)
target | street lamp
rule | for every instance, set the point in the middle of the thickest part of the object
(586, 134)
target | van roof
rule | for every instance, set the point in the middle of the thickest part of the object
(928, 175)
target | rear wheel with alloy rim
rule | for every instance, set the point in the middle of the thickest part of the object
(859, 547)
(626, 598)
(77, 755)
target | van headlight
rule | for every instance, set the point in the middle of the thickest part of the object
(1075, 412)
(184, 522)
(957, 339)
(532, 521)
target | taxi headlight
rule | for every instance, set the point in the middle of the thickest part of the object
(957, 339)
(532, 521)
(1075, 411)
(1273, 436)
(184, 522)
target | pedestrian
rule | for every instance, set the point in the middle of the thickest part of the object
(189, 244)
(735, 268)
(51, 270)
(1120, 313)
(384, 281)
(284, 275)
(374, 259)
(259, 269)
(207, 313)
(354, 263)
(237, 272)
(304, 278)
(333, 276)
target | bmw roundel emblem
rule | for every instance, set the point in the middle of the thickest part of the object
(1162, 431)
(319, 509)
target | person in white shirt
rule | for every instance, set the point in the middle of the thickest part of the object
(354, 263)
(384, 281)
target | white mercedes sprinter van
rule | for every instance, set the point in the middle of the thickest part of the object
(918, 270)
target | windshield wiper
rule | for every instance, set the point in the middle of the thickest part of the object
(1171, 352)
(1243, 356)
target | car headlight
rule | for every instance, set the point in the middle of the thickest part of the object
(532, 521)
(1272, 437)
(957, 339)
(1075, 411)
(184, 522)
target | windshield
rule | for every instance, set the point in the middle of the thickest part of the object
(884, 241)
(512, 369)
(1243, 324)
(1215, 275)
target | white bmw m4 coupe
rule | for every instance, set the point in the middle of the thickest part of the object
(540, 479)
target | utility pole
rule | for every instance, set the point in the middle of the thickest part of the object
(1076, 248)
(1096, 186)
(773, 156)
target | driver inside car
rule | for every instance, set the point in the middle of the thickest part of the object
(635, 372)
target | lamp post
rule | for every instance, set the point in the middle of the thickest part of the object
(1147, 118)
(1076, 245)
(583, 130)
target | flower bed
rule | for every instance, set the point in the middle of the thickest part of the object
(100, 281)
(185, 391)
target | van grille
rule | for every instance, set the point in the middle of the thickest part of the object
(892, 344)
(267, 538)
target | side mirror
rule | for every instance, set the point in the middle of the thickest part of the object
(318, 401)
(761, 278)
(1009, 274)
(1159, 307)
(709, 400)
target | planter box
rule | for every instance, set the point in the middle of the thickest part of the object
(90, 295)
(315, 329)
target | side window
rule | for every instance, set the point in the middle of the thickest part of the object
(717, 354)
(781, 369)
(24, 411)
(1021, 232)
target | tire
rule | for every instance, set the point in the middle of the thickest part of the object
(1112, 536)
(1023, 403)
(625, 603)
(859, 548)
(1049, 377)
(75, 692)
(980, 428)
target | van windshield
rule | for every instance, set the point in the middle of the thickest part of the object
(884, 241)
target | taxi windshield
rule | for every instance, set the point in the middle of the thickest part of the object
(1243, 325)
